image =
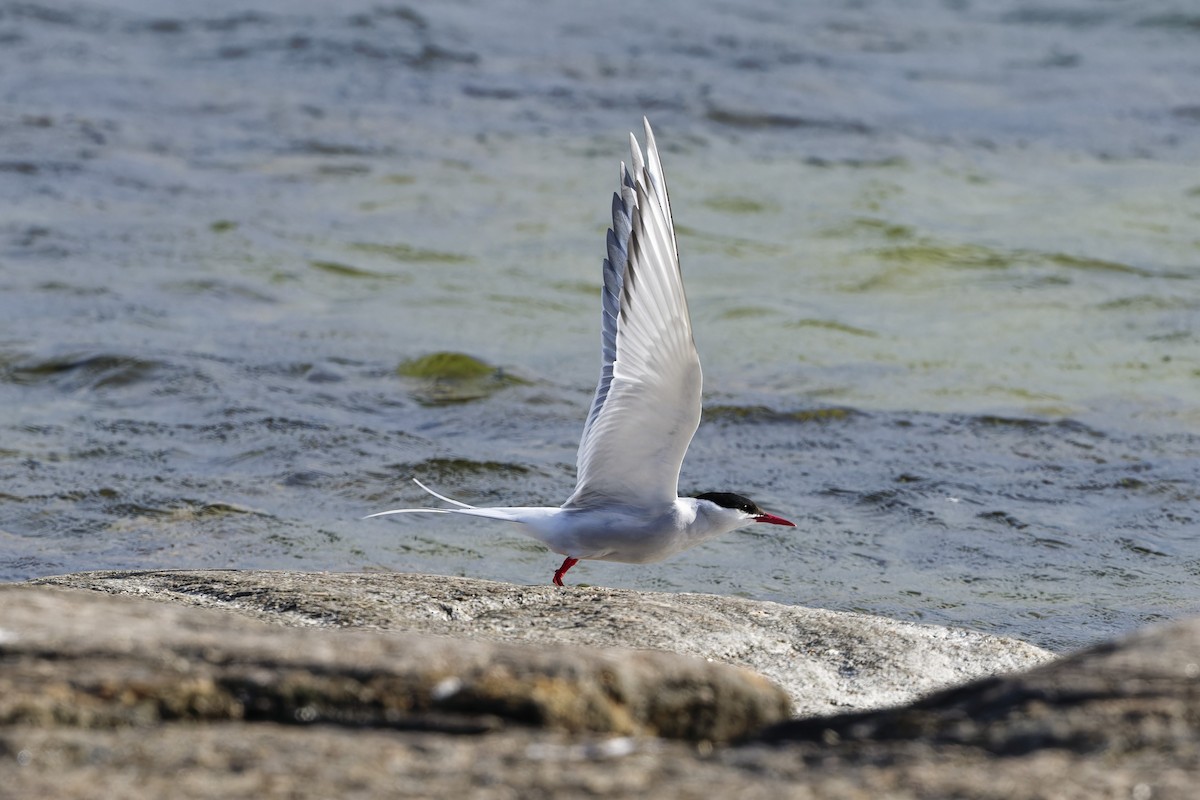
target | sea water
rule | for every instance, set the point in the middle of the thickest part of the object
(263, 262)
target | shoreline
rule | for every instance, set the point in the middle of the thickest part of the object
(827, 661)
(232, 683)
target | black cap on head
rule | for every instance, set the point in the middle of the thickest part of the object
(731, 500)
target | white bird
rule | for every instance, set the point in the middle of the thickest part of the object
(626, 505)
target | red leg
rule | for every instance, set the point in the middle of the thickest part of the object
(566, 565)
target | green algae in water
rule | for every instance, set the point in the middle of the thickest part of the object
(927, 252)
(345, 270)
(747, 312)
(737, 205)
(765, 414)
(445, 366)
(85, 371)
(449, 377)
(466, 466)
(453, 468)
(869, 226)
(1096, 264)
(831, 325)
(408, 254)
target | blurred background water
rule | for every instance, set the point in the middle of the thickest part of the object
(943, 259)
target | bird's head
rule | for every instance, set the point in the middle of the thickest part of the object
(738, 510)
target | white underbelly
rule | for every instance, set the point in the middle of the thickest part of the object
(632, 544)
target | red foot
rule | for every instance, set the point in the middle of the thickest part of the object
(566, 565)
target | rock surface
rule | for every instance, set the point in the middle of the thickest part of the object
(1121, 719)
(827, 661)
(1140, 693)
(84, 659)
(120, 696)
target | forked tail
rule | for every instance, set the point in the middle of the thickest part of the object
(441, 496)
(506, 514)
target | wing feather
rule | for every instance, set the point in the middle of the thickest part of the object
(647, 403)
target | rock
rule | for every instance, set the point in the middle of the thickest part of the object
(118, 696)
(1137, 694)
(105, 696)
(1120, 720)
(827, 661)
(86, 660)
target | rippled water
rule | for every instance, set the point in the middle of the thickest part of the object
(943, 261)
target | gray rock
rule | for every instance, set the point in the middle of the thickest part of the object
(1139, 693)
(115, 696)
(827, 661)
(83, 659)
(1120, 720)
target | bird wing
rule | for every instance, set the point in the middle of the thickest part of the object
(647, 404)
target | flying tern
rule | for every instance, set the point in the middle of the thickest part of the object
(626, 505)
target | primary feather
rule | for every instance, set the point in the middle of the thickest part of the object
(647, 404)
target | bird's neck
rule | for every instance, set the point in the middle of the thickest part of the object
(703, 520)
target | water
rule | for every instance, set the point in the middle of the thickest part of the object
(943, 261)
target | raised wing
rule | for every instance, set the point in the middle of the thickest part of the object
(647, 404)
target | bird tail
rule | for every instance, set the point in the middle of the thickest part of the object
(441, 497)
(507, 514)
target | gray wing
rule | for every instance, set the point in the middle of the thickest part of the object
(647, 404)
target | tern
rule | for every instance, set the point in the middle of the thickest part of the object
(626, 505)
